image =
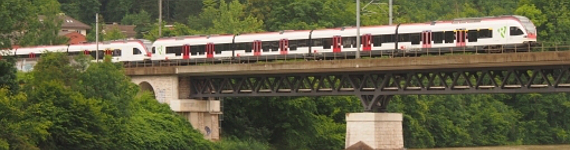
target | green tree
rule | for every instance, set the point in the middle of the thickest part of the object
(20, 130)
(11, 24)
(154, 126)
(204, 21)
(77, 121)
(232, 20)
(141, 20)
(8, 74)
(178, 29)
(25, 28)
(83, 10)
(114, 34)
(114, 10)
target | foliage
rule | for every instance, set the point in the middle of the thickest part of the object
(233, 143)
(294, 123)
(25, 28)
(20, 130)
(141, 20)
(84, 105)
(178, 29)
(8, 74)
(231, 20)
(114, 34)
(155, 126)
(11, 24)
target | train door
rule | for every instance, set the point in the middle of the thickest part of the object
(108, 51)
(460, 36)
(257, 48)
(210, 50)
(283, 46)
(32, 55)
(426, 39)
(186, 51)
(366, 42)
(337, 44)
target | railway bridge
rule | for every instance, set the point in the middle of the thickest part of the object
(195, 90)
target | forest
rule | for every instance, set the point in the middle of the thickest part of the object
(43, 109)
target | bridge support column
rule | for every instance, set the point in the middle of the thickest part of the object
(375, 103)
(374, 129)
(174, 90)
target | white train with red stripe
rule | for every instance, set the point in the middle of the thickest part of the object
(468, 34)
(120, 51)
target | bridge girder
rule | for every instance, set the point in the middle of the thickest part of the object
(375, 88)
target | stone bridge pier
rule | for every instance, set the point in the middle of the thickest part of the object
(203, 114)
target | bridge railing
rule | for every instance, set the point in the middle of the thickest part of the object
(498, 49)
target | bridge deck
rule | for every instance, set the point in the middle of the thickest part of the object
(409, 63)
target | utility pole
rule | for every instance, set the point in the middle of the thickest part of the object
(97, 37)
(357, 29)
(159, 18)
(390, 5)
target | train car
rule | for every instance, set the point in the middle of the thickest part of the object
(509, 32)
(121, 51)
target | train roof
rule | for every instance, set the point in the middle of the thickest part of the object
(42, 47)
(336, 29)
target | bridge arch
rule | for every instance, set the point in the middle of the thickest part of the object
(145, 86)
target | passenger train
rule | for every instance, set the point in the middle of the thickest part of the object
(464, 34)
(120, 51)
(469, 34)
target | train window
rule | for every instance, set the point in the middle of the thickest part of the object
(516, 31)
(198, 50)
(93, 54)
(177, 50)
(240, 46)
(247, 47)
(270, 46)
(136, 51)
(404, 37)
(437, 37)
(117, 52)
(388, 38)
(301, 43)
(415, 38)
(327, 43)
(449, 36)
(153, 50)
(293, 45)
(485, 33)
(228, 47)
(244, 46)
(101, 54)
(472, 35)
(314, 42)
(348, 42)
(218, 48)
(377, 40)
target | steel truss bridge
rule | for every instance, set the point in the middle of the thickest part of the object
(375, 88)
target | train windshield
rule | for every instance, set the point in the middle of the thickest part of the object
(527, 24)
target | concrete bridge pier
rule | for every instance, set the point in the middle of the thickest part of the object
(374, 129)
(173, 90)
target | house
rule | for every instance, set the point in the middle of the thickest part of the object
(74, 37)
(127, 30)
(70, 25)
(73, 29)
